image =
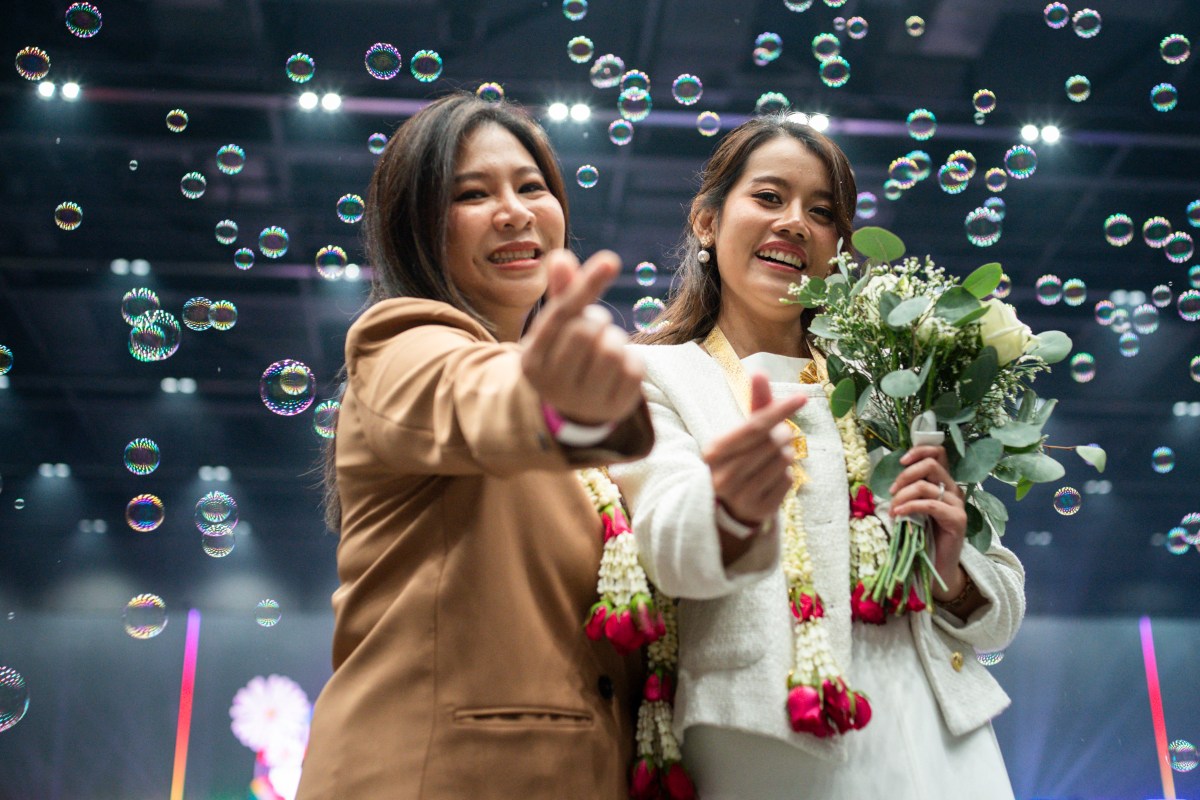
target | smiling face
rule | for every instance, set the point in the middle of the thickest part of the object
(776, 225)
(503, 220)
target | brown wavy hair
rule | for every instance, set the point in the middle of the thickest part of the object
(407, 206)
(695, 300)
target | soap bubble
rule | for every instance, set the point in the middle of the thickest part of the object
(1161, 296)
(856, 28)
(222, 315)
(1079, 88)
(1074, 292)
(376, 142)
(273, 241)
(580, 49)
(155, 336)
(267, 613)
(1162, 460)
(218, 541)
(646, 273)
(1083, 367)
(996, 206)
(892, 190)
(84, 20)
(6, 359)
(32, 63)
(687, 89)
(142, 456)
(230, 159)
(984, 101)
(300, 67)
(914, 25)
(573, 10)
(952, 178)
(215, 508)
(1193, 213)
(490, 92)
(193, 185)
(1175, 48)
(1057, 15)
(922, 124)
(382, 61)
(1179, 247)
(137, 302)
(646, 314)
(1118, 229)
(243, 258)
(1020, 161)
(1086, 23)
(1164, 97)
(620, 132)
(798, 5)
(325, 417)
(634, 104)
(350, 208)
(1189, 305)
(924, 163)
(1183, 755)
(1155, 231)
(226, 231)
(1129, 344)
(606, 71)
(68, 216)
(708, 123)
(331, 262)
(287, 387)
(903, 171)
(965, 159)
(177, 120)
(144, 513)
(587, 176)
(867, 205)
(983, 228)
(425, 66)
(1067, 501)
(1120, 321)
(1194, 368)
(835, 72)
(1048, 289)
(634, 79)
(990, 659)
(771, 103)
(1177, 543)
(826, 46)
(145, 616)
(767, 47)
(14, 697)
(1145, 319)
(995, 179)
(195, 314)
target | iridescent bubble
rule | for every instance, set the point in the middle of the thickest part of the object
(620, 132)
(133, 165)
(1120, 321)
(1067, 501)
(835, 72)
(952, 178)
(914, 25)
(1074, 292)
(193, 185)
(1194, 276)
(1155, 231)
(226, 231)
(137, 302)
(1129, 344)
(1193, 213)
(867, 205)
(768, 47)
(155, 336)
(325, 418)
(382, 61)
(32, 63)
(267, 613)
(177, 120)
(1118, 229)
(646, 273)
(903, 171)
(142, 456)
(1183, 755)
(425, 66)
(922, 124)
(331, 262)
(892, 190)
(215, 508)
(287, 387)
(1162, 460)
(587, 176)
(145, 616)
(1057, 15)
(634, 79)
(1177, 543)
(1179, 247)
(1175, 48)
(573, 10)
(982, 227)
(230, 159)
(990, 659)
(996, 206)
(218, 541)
(924, 163)
(606, 71)
(1161, 296)
(273, 241)
(1191, 525)
(835, 3)
(984, 101)
(687, 89)
(839, 24)
(350, 208)
(376, 142)
(856, 28)
(634, 104)
(84, 20)
(646, 313)
(771, 103)
(223, 315)
(995, 179)
(195, 314)
(1086, 23)
(979, 117)
(1164, 97)
(14, 697)
(6, 360)
(965, 159)
(708, 123)
(580, 49)
(798, 6)
(490, 92)
(300, 67)
(68, 216)
(826, 46)
(243, 258)
(1145, 319)
(1194, 368)
(1048, 289)
(1020, 161)
(1189, 305)
(1083, 367)
(1079, 88)
(144, 513)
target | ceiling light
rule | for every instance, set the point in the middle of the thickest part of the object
(331, 101)
(119, 266)
(3, 381)
(308, 101)
(818, 122)
(45, 89)
(798, 118)
(1030, 133)
(139, 266)
(46, 470)
(351, 272)
(70, 90)
(1051, 134)
(62, 471)
(187, 386)
(169, 385)
(222, 473)
(580, 112)
(557, 112)
(205, 473)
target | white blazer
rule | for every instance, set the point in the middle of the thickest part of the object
(735, 639)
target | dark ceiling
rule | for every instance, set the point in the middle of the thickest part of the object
(75, 396)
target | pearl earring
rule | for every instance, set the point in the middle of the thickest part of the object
(704, 256)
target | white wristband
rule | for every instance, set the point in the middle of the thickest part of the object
(739, 530)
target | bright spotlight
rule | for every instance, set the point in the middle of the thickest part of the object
(1029, 133)
(70, 90)
(818, 122)
(308, 101)
(187, 386)
(798, 118)
(139, 266)
(46, 89)
(581, 112)
(119, 266)
(169, 385)
(557, 112)
(331, 101)
(352, 272)
(1051, 134)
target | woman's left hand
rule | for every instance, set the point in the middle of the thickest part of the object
(926, 487)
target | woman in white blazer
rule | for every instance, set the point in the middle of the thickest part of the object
(775, 200)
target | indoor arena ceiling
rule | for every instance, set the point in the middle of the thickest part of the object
(75, 396)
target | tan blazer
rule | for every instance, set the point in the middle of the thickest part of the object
(468, 560)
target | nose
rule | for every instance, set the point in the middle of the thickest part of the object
(512, 213)
(792, 220)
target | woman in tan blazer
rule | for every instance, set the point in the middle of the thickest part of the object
(469, 548)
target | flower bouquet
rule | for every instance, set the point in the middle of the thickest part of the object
(914, 355)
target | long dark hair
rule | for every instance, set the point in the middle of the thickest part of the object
(407, 206)
(696, 295)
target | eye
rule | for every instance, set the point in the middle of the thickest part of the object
(533, 186)
(823, 211)
(469, 194)
(767, 195)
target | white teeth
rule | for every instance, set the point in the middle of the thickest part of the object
(511, 255)
(791, 259)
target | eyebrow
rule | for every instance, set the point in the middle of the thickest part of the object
(479, 176)
(775, 180)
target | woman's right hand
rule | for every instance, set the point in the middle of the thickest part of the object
(573, 354)
(751, 465)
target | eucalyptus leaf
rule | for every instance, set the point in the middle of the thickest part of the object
(984, 280)
(1023, 487)
(836, 368)
(1041, 413)
(970, 317)
(946, 406)
(907, 312)
(1051, 346)
(887, 302)
(978, 376)
(864, 400)
(860, 284)
(957, 437)
(955, 303)
(1028, 406)
(1017, 434)
(822, 327)
(975, 521)
(885, 474)
(980, 459)
(1093, 455)
(981, 541)
(1036, 467)
(878, 243)
(842, 398)
(900, 383)
(836, 279)
(992, 508)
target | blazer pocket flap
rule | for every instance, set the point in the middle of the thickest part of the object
(521, 715)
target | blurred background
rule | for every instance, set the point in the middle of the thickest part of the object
(203, 162)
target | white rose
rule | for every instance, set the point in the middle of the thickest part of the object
(1001, 329)
(934, 328)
